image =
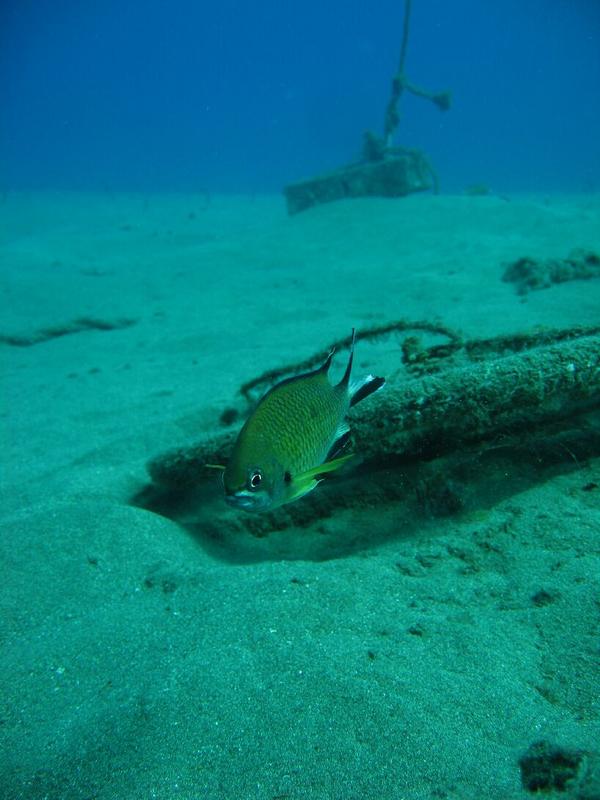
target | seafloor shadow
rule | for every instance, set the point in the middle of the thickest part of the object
(378, 502)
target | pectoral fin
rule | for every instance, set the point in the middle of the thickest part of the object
(300, 487)
(329, 466)
(305, 482)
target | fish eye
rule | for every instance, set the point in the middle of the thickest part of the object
(255, 479)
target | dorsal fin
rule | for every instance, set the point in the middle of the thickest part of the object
(346, 379)
(327, 363)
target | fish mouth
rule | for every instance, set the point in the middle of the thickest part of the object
(247, 501)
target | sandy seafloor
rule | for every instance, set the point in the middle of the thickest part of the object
(139, 661)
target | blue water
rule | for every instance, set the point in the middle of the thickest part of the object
(246, 96)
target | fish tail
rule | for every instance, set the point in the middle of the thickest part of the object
(363, 388)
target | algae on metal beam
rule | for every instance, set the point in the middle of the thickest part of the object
(435, 415)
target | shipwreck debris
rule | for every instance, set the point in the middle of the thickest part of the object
(540, 273)
(383, 170)
(400, 172)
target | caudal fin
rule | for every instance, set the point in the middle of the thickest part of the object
(365, 387)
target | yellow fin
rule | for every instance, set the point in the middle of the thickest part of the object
(301, 487)
(305, 482)
(328, 466)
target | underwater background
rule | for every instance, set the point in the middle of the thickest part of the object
(424, 624)
(244, 97)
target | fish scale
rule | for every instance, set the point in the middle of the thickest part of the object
(300, 421)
